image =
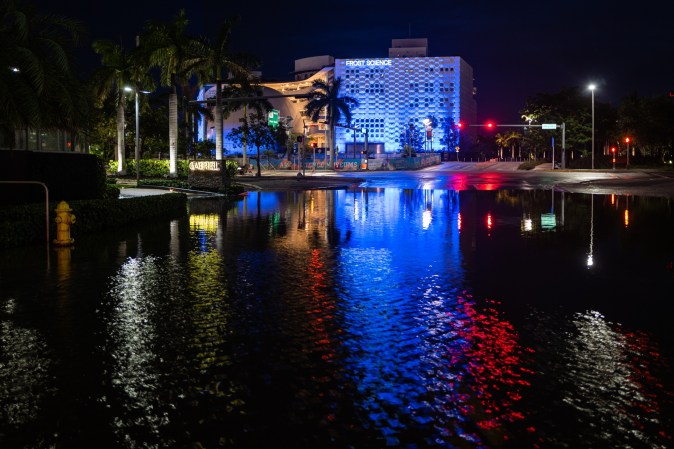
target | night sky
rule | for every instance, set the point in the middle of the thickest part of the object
(516, 49)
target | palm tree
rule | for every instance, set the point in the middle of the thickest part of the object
(216, 60)
(242, 93)
(170, 48)
(110, 79)
(326, 98)
(38, 88)
(509, 139)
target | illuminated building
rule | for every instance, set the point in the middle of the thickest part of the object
(406, 88)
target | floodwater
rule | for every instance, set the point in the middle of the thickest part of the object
(363, 318)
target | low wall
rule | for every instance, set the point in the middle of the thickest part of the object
(68, 176)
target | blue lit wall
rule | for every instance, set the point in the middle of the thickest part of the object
(393, 92)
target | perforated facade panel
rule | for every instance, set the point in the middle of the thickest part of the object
(394, 92)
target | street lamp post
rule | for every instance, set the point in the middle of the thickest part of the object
(137, 141)
(592, 87)
(137, 155)
(627, 163)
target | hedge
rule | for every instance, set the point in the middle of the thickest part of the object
(151, 168)
(24, 225)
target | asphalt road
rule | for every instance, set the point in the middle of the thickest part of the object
(466, 176)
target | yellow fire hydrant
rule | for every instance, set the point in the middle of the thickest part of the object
(63, 221)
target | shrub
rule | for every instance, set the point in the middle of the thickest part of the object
(23, 225)
(529, 165)
(151, 168)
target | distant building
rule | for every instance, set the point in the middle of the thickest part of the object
(393, 93)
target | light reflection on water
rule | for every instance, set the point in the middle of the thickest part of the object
(363, 318)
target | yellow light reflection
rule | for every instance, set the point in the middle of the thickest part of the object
(205, 222)
(627, 217)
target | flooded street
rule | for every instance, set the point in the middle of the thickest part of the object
(420, 316)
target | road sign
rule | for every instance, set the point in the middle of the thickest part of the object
(272, 118)
(549, 126)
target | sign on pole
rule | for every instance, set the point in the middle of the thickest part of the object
(549, 126)
(272, 118)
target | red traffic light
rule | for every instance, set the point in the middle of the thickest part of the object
(459, 125)
(613, 150)
(627, 140)
(490, 125)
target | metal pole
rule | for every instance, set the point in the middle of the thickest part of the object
(563, 145)
(365, 144)
(592, 129)
(553, 152)
(137, 141)
(627, 165)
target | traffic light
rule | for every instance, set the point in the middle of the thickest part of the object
(627, 140)
(613, 150)
(490, 125)
(459, 125)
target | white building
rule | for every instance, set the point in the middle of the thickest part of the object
(406, 88)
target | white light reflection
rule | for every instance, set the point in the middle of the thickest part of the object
(590, 259)
(606, 387)
(24, 371)
(132, 339)
(527, 224)
(426, 218)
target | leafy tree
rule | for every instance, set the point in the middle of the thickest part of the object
(647, 121)
(451, 137)
(412, 140)
(572, 107)
(326, 98)
(255, 131)
(38, 88)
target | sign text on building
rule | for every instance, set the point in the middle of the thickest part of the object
(204, 165)
(367, 62)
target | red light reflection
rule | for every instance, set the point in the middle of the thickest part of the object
(494, 375)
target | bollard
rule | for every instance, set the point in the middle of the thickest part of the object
(63, 221)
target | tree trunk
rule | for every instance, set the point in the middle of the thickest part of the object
(245, 141)
(259, 170)
(173, 133)
(218, 120)
(331, 146)
(121, 165)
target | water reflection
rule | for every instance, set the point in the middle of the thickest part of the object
(24, 372)
(601, 381)
(363, 317)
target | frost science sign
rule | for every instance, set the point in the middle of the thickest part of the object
(368, 63)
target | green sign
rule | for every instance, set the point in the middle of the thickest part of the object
(549, 126)
(272, 118)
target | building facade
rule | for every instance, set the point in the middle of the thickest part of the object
(404, 90)
(396, 93)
